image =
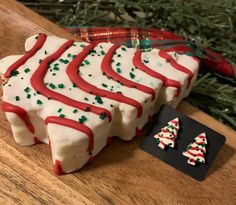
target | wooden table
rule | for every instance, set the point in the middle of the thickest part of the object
(121, 174)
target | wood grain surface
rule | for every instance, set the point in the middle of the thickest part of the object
(121, 174)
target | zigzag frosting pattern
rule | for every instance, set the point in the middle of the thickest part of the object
(76, 95)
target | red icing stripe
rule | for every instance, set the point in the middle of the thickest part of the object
(166, 138)
(174, 64)
(166, 81)
(197, 148)
(166, 131)
(110, 73)
(74, 125)
(38, 84)
(175, 121)
(36, 140)
(28, 54)
(57, 169)
(195, 155)
(163, 143)
(202, 136)
(73, 70)
(7, 107)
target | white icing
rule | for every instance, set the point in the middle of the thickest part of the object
(69, 145)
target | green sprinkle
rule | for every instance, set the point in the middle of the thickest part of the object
(61, 85)
(86, 99)
(103, 52)
(104, 85)
(56, 64)
(51, 85)
(100, 46)
(45, 52)
(27, 70)
(65, 61)
(14, 73)
(59, 110)
(146, 61)
(86, 62)
(36, 37)
(98, 99)
(92, 51)
(69, 55)
(61, 115)
(40, 60)
(118, 64)
(17, 98)
(82, 64)
(118, 70)
(123, 48)
(28, 96)
(132, 75)
(103, 116)
(55, 68)
(74, 44)
(119, 55)
(27, 89)
(83, 119)
(75, 111)
(82, 45)
(39, 102)
(133, 69)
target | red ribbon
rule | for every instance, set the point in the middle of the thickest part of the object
(156, 38)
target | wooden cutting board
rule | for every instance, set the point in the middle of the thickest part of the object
(121, 174)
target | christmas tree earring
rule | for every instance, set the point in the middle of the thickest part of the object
(195, 151)
(168, 134)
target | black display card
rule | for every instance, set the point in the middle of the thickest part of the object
(189, 129)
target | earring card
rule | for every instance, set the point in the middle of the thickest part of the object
(189, 129)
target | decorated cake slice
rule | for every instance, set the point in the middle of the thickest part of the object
(75, 96)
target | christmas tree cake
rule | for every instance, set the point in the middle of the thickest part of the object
(168, 134)
(75, 95)
(195, 151)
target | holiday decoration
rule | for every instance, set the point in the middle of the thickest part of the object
(168, 134)
(188, 129)
(195, 151)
